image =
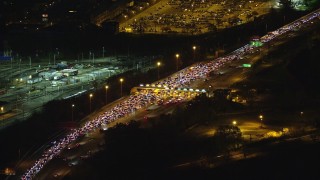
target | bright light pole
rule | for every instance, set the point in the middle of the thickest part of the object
(121, 81)
(30, 62)
(90, 97)
(158, 64)
(234, 123)
(106, 87)
(54, 59)
(177, 56)
(194, 52)
(261, 118)
(93, 58)
(102, 51)
(2, 110)
(266, 27)
(19, 64)
(72, 106)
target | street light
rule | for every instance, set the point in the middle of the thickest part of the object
(31, 62)
(93, 58)
(177, 56)
(102, 51)
(194, 52)
(54, 59)
(261, 118)
(234, 123)
(301, 113)
(106, 87)
(2, 119)
(121, 81)
(90, 97)
(72, 106)
(158, 64)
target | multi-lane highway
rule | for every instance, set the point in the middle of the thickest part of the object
(128, 106)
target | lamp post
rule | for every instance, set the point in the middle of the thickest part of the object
(194, 52)
(106, 87)
(121, 81)
(234, 123)
(93, 58)
(158, 65)
(30, 62)
(102, 51)
(54, 59)
(261, 118)
(2, 119)
(72, 106)
(177, 63)
(266, 27)
(90, 97)
(19, 65)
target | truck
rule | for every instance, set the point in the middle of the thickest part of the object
(58, 76)
(70, 72)
(34, 80)
(58, 83)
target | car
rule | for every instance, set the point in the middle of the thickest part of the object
(73, 146)
(56, 175)
(84, 156)
(73, 163)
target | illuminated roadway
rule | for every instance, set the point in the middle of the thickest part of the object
(136, 104)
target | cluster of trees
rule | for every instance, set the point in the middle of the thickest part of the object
(228, 138)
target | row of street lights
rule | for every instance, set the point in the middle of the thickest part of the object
(122, 80)
(107, 87)
(106, 94)
(177, 55)
(234, 122)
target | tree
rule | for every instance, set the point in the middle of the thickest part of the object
(212, 27)
(287, 5)
(228, 137)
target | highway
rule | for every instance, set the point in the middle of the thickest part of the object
(130, 106)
